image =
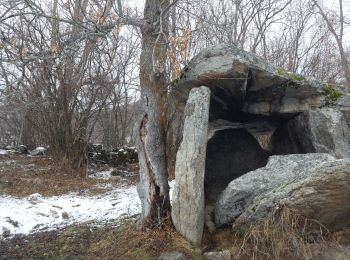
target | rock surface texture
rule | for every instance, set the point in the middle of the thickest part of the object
(220, 255)
(240, 80)
(316, 131)
(316, 185)
(279, 171)
(173, 256)
(188, 211)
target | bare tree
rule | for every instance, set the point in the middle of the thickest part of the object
(335, 24)
(63, 74)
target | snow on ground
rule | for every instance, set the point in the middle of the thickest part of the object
(3, 152)
(36, 213)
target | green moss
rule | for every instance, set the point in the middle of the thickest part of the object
(295, 77)
(281, 71)
(332, 95)
(290, 75)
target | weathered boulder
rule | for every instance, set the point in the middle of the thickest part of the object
(188, 196)
(321, 194)
(240, 80)
(279, 171)
(343, 105)
(22, 149)
(315, 131)
(230, 154)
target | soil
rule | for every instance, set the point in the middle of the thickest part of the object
(21, 176)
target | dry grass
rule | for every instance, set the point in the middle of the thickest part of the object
(23, 175)
(82, 242)
(286, 235)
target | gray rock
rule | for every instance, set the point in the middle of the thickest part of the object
(314, 185)
(188, 196)
(269, 90)
(323, 194)
(172, 256)
(316, 131)
(65, 215)
(6, 232)
(220, 255)
(279, 171)
(343, 105)
(22, 149)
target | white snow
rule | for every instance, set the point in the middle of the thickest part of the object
(171, 189)
(3, 152)
(40, 148)
(36, 213)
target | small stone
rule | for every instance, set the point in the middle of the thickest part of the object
(220, 255)
(6, 232)
(115, 173)
(172, 256)
(65, 215)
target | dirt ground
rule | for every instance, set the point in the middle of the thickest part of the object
(24, 175)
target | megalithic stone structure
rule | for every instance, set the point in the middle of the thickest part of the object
(188, 205)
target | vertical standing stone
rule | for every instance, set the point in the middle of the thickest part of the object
(188, 196)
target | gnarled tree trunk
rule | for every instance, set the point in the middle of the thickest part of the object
(153, 188)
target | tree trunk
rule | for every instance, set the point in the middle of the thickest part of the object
(153, 188)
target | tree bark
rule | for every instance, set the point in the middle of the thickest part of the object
(153, 188)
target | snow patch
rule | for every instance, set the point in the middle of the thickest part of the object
(171, 189)
(36, 213)
(3, 152)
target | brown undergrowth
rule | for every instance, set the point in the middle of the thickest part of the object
(24, 175)
(83, 242)
(288, 235)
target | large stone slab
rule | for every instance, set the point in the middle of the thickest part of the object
(242, 81)
(323, 194)
(241, 193)
(323, 130)
(188, 208)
